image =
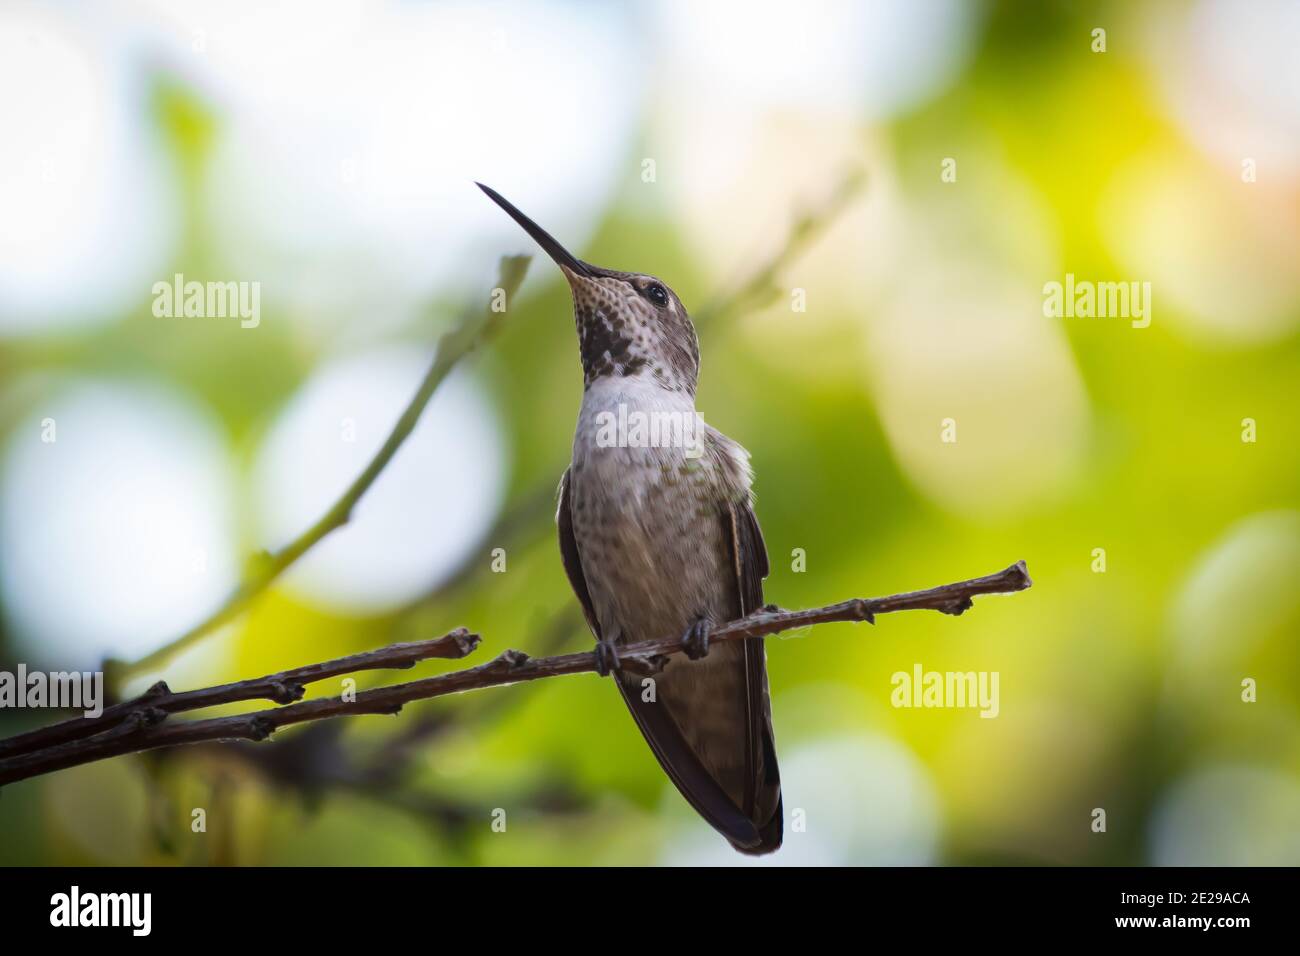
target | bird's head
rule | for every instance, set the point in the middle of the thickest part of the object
(628, 323)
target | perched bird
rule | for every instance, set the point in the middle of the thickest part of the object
(660, 538)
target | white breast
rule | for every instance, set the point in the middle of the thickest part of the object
(637, 514)
(612, 408)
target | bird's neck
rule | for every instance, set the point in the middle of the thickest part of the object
(642, 390)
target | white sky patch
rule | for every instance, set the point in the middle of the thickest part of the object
(870, 60)
(350, 129)
(86, 219)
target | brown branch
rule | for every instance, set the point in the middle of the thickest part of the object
(285, 687)
(136, 729)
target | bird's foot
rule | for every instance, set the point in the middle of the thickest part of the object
(606, 658)
(696, 639)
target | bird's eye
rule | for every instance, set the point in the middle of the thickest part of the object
(656, 294)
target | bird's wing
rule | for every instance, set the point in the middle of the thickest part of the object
(572, 560)
(763, 778)
(656, 723)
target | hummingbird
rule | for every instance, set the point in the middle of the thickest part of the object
(661, 539)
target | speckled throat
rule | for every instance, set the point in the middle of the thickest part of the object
(627, 322)
(621, 332)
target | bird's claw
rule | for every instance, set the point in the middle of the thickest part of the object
(696, 639)
(606, 658)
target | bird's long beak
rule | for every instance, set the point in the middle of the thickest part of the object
(563, 258)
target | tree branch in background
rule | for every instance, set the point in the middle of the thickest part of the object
(761, 287)
(478, 325)
(144, 726)
(282, 688)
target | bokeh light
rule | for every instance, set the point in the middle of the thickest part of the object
(913, 415)
(424, 513)
(1229, 816)
(86, 220)
(850, 800)
(116, 526)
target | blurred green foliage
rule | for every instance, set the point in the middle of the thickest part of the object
(1110, 693)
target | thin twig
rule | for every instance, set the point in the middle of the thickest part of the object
(478, 325)
(760, 287)
(135, 732)
(282, 688)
